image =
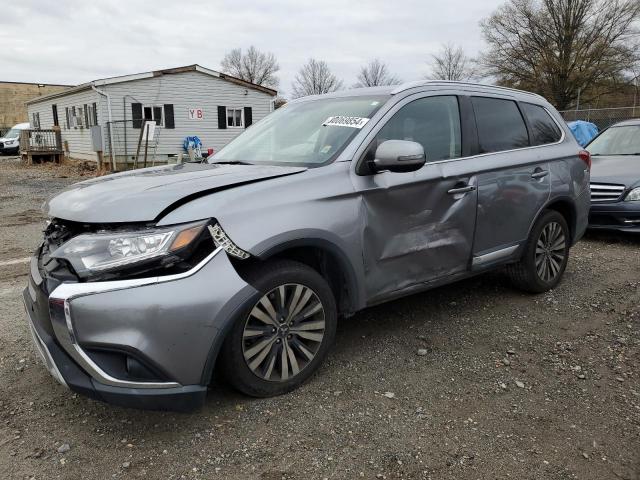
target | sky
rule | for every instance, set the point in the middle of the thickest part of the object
(75, 41)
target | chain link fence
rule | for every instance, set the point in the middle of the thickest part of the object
(4, 130)
(131, 146)
(602, 117)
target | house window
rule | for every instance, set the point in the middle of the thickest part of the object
(73, 118)
(90, 115)
(152, 113)
(79, 114)
(161, 114)
(35, 117)
(235, 117)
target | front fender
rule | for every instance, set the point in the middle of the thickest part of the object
(326, 241)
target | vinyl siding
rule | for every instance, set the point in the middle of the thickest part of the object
(78, 138)
(183, 90)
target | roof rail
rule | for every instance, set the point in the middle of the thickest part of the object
(424, 83)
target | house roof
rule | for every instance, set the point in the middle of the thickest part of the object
(155, 73)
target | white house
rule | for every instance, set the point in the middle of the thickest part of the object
(108, 114)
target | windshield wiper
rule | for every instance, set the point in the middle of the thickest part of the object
(230, 162)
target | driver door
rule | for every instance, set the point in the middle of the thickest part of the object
(418, 226)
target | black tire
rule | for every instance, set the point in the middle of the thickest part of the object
(268, 278)
(526, 273)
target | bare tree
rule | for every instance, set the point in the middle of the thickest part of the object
(451, 63)
(253, 66)
(561, 49)
(314, 78)
(375, 74)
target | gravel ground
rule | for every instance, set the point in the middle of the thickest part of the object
(470, 381)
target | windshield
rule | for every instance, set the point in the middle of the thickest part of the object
(13, 133)
(617, 141)
(306, 134)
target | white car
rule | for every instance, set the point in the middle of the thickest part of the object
(10, 142)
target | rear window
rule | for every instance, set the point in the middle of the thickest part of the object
(543, 129)
(500, 125)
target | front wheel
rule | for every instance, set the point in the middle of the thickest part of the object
(281, 338)
(545, 255)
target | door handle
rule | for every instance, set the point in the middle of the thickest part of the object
(465, 189)
(540, 174)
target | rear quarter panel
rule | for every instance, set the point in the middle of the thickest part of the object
(570, 178)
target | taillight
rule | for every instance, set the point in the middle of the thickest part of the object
(585, 156)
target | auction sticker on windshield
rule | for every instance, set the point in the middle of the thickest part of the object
(343, 121)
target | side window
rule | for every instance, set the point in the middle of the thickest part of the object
(500, 125)
(234, 117)
(543, 129)
(152, 114)
(434, 122)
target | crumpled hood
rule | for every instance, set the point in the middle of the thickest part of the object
(148, 194)
(620, 169)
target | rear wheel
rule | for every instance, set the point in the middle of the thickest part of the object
(281, 338)
(545, 256)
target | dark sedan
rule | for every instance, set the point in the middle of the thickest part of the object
(615, 178)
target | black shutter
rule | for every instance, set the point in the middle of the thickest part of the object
(168, 116)
(54, 109)
(66, 111)
(136, 115)
(248, 117)
(95, 114)
(157, 115)
(86, 116)
(222, 117)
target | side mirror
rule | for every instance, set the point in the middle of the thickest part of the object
(399, 156)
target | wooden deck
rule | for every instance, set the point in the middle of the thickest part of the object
(37, 146)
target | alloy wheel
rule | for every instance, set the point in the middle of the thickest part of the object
(550, 252)
(283, 332)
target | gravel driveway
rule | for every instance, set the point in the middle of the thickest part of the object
(470, 381)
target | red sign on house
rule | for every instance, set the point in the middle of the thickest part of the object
(196, 114)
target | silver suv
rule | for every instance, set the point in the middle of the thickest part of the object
(147, 280)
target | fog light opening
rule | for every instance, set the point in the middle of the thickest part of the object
(138, 371)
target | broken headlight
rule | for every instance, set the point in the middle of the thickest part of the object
(91, 253)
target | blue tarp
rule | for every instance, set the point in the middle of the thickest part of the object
(583, 131)
(193, 142)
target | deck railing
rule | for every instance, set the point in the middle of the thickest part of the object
(40, 142)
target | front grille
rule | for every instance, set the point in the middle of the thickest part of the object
(606, 192)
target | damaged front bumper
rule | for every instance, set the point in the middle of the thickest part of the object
(146, 342)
